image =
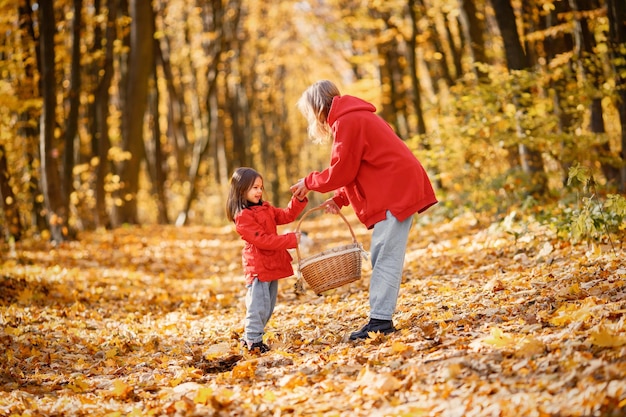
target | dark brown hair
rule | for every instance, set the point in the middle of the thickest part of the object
(240, 183)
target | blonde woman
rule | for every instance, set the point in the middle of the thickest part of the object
(374, 171)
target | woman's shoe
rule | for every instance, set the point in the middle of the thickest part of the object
(375, 326)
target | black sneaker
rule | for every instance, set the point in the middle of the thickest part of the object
(376, 326)
(258, 347)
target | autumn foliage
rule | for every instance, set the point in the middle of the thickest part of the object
(495, 319)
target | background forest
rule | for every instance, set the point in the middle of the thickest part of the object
(122, 120)
(135, 112)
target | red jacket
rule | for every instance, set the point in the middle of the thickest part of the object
(265, 253)
(371, 168)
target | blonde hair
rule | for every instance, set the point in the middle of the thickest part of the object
(314, 104)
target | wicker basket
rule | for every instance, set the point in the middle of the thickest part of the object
(333, 267)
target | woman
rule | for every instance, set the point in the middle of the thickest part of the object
(374, 171)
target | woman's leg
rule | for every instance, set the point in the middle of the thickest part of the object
(388, 249)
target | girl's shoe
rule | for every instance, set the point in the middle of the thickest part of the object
(258, 347)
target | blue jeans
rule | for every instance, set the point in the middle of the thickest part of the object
(388, 247)
(260, 303)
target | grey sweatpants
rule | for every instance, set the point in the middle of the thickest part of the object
(388, 247)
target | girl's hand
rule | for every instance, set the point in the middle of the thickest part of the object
(331, 206)
(298, 235)
(299, 190)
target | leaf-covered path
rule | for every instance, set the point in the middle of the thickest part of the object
(495, 320)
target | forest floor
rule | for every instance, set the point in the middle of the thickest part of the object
(495, 319)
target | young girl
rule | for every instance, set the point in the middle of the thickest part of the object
(265, 257)
(373, 170)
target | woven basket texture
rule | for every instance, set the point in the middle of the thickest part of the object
(332, 268)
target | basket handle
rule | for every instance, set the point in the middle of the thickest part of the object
(320, 207)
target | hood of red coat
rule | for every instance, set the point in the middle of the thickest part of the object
(346, 104)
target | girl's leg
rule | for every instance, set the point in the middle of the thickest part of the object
(260, 301)
(273, 293)
(388, 247)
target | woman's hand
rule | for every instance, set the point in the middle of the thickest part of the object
(299, 190)
(331, 206)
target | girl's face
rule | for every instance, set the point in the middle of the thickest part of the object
(255, 193)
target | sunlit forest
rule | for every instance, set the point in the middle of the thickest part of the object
(119, 112)
(121, 286)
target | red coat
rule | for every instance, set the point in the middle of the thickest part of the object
(371, 168)
(265, 253)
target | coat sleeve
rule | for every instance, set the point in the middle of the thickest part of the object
(252, 232)
(291, 212)
(340, 198)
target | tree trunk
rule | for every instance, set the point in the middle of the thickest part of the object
(177, 129)
(391, 74)
(476, 30)
(101, 114)
(554, 45)
(56, 207)
(442, 63)
(516, 59)
(13, 225)
(412, 61)
(140, 66)
(214, 23)
(28, 131)
(617, 38)
(454, 50)
(74, 104)
(155, 156)
(592, 72)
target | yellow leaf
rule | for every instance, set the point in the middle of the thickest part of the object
(499, 339)
(13, 331)
(224, 397)
(400, 347)
(25, 297)
(203, 395)
(111, 353)
(269, 396)
(244, 370)
(376, 384)
(137, 412)
(78, 384)
(570, 313)
(121, 389)
(292, 381)
(604, 336)
(529, 346)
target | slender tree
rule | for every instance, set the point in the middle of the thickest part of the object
(71, 130)
(516, 59)
(140, 66)
(56, 207)
(28, 126)
(101, 109)
(13, 224)
(155, 154)
(593, 74)
(475, 27)
(617, 38)
(412, 63)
